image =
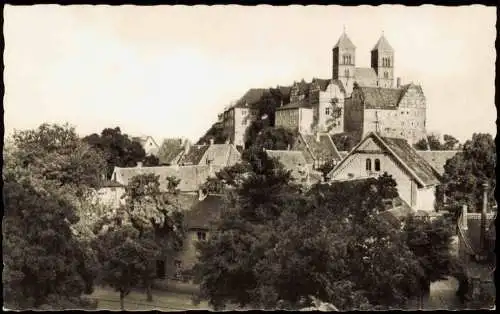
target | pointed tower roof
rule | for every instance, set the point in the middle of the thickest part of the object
(344, 42)
(382, 44)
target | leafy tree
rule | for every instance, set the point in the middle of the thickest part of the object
(254, 129)
(216, 132)
(55, 153)
(421, 144)
(326, 168)
(465, 173)
(45, 266)
(430, 241)
(155, 214)
(118, 149)
(335, 115)
(387, 186)
(265, 254)
(273, 138)
(345, 141)
(151, 161)
(450, 142)
(126, 258)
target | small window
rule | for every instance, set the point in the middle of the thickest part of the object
(377, 164)
(386, 75)
(202, 235)
(327, 111)
(368, 164)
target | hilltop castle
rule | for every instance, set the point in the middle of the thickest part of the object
(355, 100)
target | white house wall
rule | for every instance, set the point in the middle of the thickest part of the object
(332, 91)
(426, 199)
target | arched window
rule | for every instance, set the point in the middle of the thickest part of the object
(346, 72)
(377, 164)
(386, 75)
(368, 164)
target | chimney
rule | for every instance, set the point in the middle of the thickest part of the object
(139, 164)
(483, 216)
(212, 141)
(464, 217)
(398, 82)
(317, 136)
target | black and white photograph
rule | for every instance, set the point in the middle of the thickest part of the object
(230, 157)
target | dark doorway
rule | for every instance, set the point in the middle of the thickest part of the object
(160, 269)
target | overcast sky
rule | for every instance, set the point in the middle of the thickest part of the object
(168, 71)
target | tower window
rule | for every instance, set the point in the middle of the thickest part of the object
(327, 111)
(386, 75)
(377, 164)
(346, 72)
(368, 164)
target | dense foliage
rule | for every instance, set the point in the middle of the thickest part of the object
(119, 150)
(47, 265)
(216, 132)
(466, 172)
(345, 141)
(432, 142)
(265, 254)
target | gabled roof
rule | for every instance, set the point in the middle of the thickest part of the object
(344, 42)
(170, 151)
(194, 155)
(340, 85)
(221, 154)
(365, 76)
(143, 138)
(291, 159)
(437, 158)
(404, 155)
(383, 45)
(285, 90)
(322, 83)
(324, 147)
(304, 103)
(204, 212)
(381, 98)
(191, 177)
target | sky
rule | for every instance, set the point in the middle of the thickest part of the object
(167, 71)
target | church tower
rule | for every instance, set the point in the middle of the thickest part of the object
(383, 62)
(344, 62)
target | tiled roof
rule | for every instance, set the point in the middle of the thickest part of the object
(204, 212)
(365, 76)
(322, 83)
(194, 155)
(381, 98)
(295, 105)
(437, 158)
(402, 153)
(291, 159)
(344, 42)
(409, 156)
(191, 177)
(383, 45)
(221, 154)
(324, 147)
(170, 151)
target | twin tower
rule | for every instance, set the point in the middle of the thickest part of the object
(381, 73)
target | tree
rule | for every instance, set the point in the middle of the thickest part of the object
(465, 173)
(264, 253)
(216, 132)
(151, 161)
(273, 138)
(118, 149)
(126, 258)
(326, 168)
(45, 266)
(430, 241)
(345, 141)
(55, 153)
(335, 115)
(155, 215)
(450, 143)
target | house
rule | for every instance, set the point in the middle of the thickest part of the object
(437, 158)
(198, 225)
(318, 149)
(392, 112)
(238, 117)
(171, 150)
(295, 162)
(295, 116)
(148, 143)
(221, 155)
(476, 248)
(416, 179)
